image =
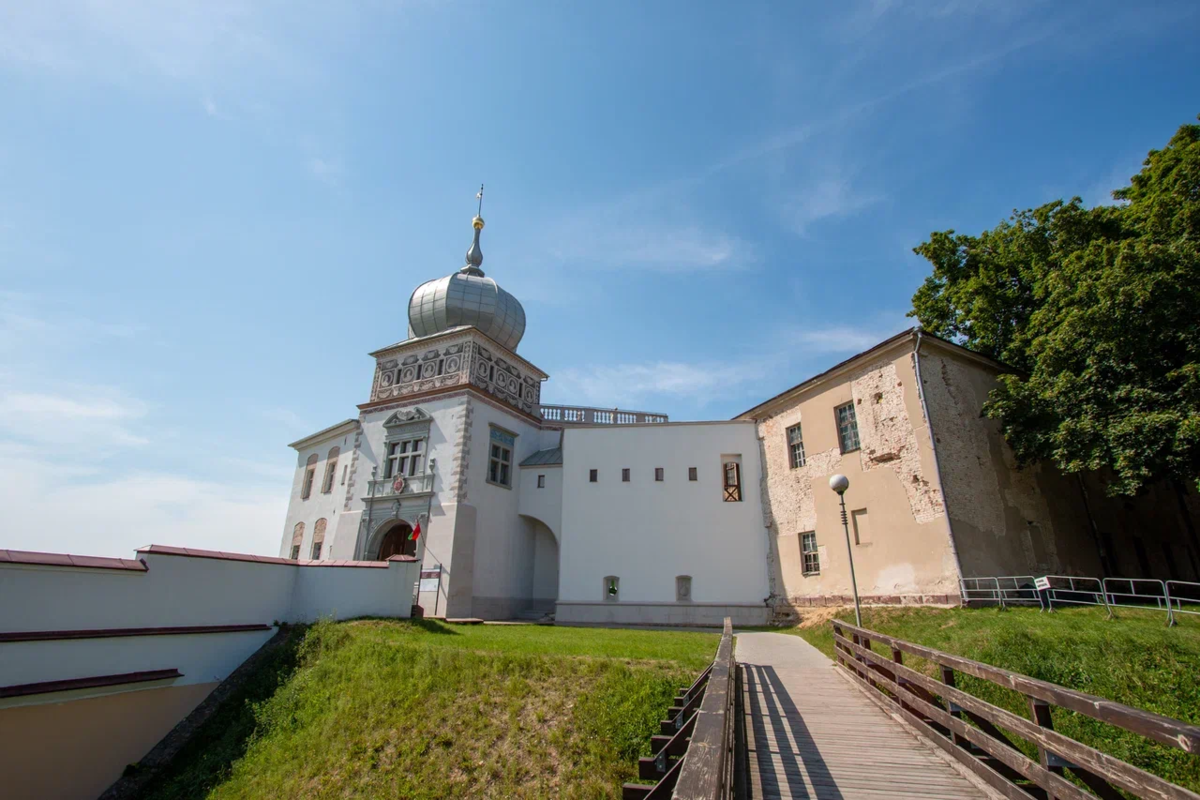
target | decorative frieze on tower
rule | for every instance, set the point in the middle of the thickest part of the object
(458, 359)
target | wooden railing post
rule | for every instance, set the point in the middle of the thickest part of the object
(948, 679)
(1040, 712)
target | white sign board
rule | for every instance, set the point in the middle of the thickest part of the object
(429, 584)
(1042, 584)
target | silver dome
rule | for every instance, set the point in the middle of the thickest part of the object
(466, 299)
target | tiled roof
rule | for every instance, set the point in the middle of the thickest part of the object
(544, 458)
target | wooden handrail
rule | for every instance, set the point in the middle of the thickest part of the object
(937, 709)
(707, 772)
(698, 734)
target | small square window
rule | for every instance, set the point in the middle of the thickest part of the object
(593, 475)
(612, 589)
(691, 473)
(683, 589)
(625, 475)
(541, 481)
(658, 473)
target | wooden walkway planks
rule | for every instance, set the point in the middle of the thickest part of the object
(810, 734)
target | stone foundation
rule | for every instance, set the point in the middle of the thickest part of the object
(682, 614)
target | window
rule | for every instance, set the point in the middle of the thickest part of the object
(330, 470)
(593, 475)
(808, 548)
(625, 475)
(345, 469)
(318, 539)
(541, 481)
(310, 474)
(404, 458)
(500, 458)
(795, 440)
(612, 588)
(847, 427)
(862, 526)
(658, 473)
(297, 538)
(733, 482)
(691, 473)
(683, 588)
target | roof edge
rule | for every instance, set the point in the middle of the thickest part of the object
(324, 433)
(910, 333)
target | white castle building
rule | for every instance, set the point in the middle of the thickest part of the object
(611, 515)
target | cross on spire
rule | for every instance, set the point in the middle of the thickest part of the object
(479, 197)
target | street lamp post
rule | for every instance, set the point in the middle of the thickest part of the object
(840, 483)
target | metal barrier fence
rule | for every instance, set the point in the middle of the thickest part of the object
(1148, 594)
(1009, 590)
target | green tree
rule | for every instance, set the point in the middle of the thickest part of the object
(1098, 312)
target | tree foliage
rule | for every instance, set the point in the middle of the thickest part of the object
(1098, 312)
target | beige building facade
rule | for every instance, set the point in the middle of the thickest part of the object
(935, 492)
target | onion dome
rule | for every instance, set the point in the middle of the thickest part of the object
(467, 297)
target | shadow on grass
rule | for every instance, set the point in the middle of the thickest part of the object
(426, 625)
(207, 759)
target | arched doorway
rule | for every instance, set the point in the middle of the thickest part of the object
(397, 541)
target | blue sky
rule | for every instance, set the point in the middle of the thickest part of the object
(211, 210)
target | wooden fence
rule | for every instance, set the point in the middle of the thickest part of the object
(970, 729)
(693, 752)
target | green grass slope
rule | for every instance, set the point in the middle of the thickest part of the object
(1133, 659)
(377, 708)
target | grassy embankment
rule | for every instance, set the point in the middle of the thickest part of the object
(377, 708)
(1134, 660)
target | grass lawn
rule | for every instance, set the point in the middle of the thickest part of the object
(1133, 659)
(376, 708)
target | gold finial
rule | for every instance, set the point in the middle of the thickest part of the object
(478, 221)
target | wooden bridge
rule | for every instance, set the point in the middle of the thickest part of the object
(773, 718)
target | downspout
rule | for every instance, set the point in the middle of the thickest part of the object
(937, 471)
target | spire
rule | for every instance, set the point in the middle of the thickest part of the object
(475, 255)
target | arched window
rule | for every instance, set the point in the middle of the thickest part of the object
(297, 538)
(683, 588)
(318, 539)
(310, 473)
(330, 470)
(612, 589)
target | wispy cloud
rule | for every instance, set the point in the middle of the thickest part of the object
(111, 513)
(287, 418)
(827, 199)
(820, 339)
(327, 171)
(648, 382)
(100, 448)
(652, 229)
(90, 419)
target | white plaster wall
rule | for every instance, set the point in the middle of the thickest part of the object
(202, 658)
(545, 564)
(347, 592)
(318, 504)
(545, 504)
(177, 591)
(648, 532)
(444, 434)
(504, 548)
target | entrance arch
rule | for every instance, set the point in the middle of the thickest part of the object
(396, 541)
